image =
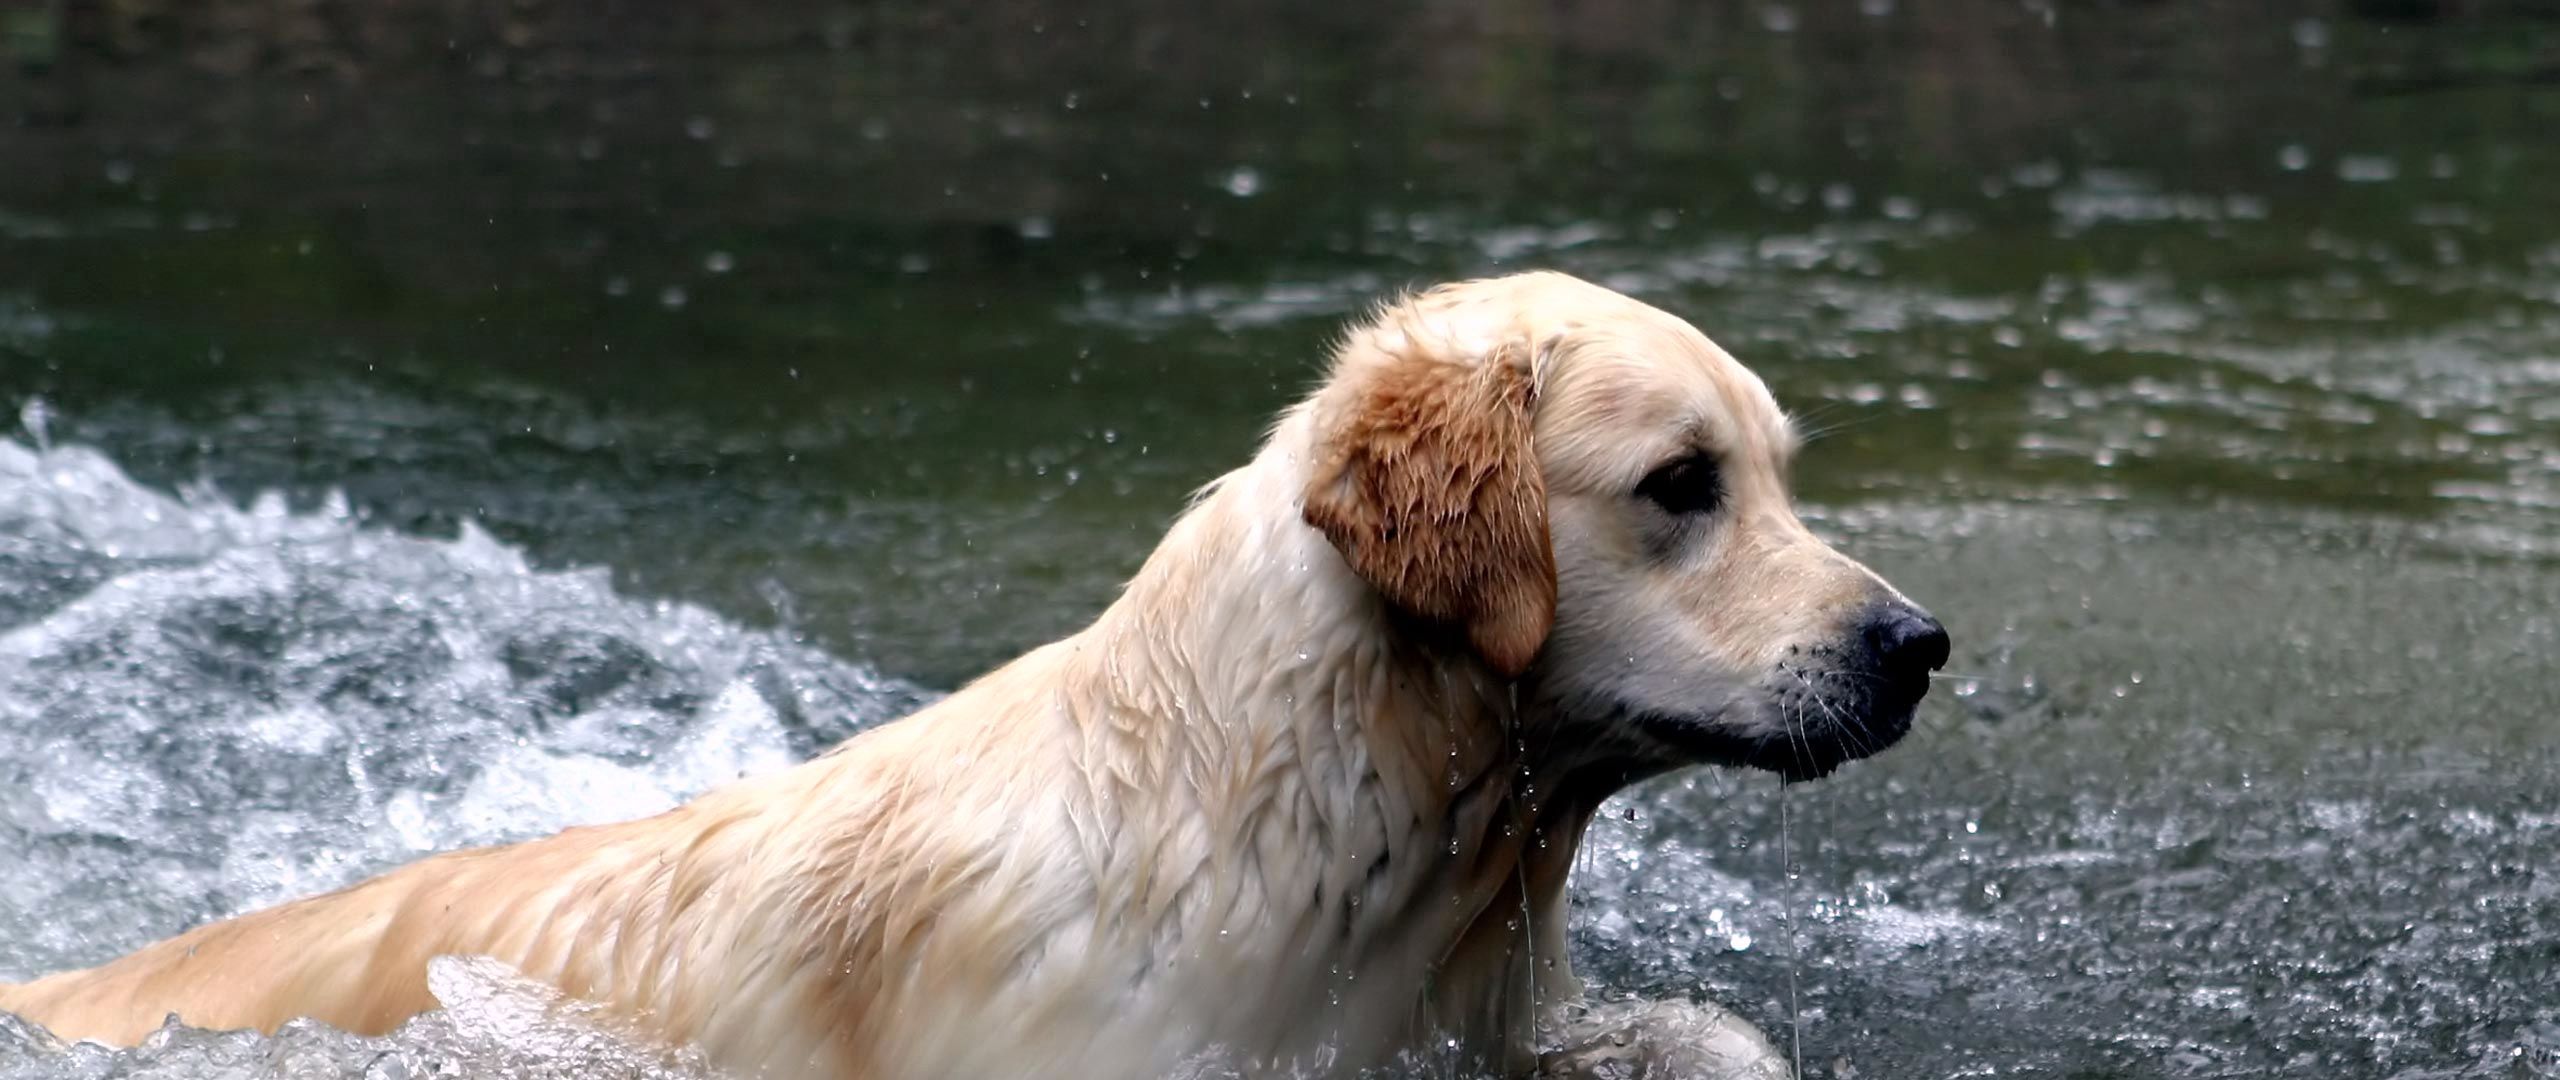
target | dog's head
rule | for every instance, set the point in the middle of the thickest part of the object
(1595, 496)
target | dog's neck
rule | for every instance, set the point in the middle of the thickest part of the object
(1293, 730)
(1279, 659)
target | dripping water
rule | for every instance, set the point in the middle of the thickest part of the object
(1795, 942)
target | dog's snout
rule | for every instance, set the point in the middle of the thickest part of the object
(1908, 642)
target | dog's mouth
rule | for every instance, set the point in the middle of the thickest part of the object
(1809, 727)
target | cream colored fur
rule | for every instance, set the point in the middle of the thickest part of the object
(1269, 805)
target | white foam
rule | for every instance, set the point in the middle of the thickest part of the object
(206, 708)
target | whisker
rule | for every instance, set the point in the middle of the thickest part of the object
(1839, 673)
(1840, 722)
(1818, 699)
(1941, 676)
(1827, 430)
(1817, 411)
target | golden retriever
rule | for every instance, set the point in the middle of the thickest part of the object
(1305, 796)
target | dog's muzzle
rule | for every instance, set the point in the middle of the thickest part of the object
(1830, 704)
(1856, 700)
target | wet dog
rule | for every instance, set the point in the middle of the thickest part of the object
(1303, 798)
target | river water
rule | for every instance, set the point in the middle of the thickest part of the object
(437, 424)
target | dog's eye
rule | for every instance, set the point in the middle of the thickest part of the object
(1687, 486)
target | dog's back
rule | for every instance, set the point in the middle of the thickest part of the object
(255, 971)
(355, 958)
(685, 927)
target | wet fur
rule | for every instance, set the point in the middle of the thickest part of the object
(1276, 802)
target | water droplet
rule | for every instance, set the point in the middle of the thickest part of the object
(719, 262)
(699, 128)
(671, 297)
(2367, 169)
(37, 418)
(2294, 157)
(1244, 181)
(1778, 18)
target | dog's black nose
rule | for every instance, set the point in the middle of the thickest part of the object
(1908, 642)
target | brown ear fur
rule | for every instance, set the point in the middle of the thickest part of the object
(1426, 481)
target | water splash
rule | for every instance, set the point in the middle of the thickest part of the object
(494, 1023)
(206, 709)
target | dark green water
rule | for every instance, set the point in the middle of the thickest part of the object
(2199, 364)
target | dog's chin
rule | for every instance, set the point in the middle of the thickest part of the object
(1797, 751)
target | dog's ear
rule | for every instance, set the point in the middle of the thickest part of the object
(1424, 478)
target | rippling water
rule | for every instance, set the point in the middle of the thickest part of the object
(440, 426)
